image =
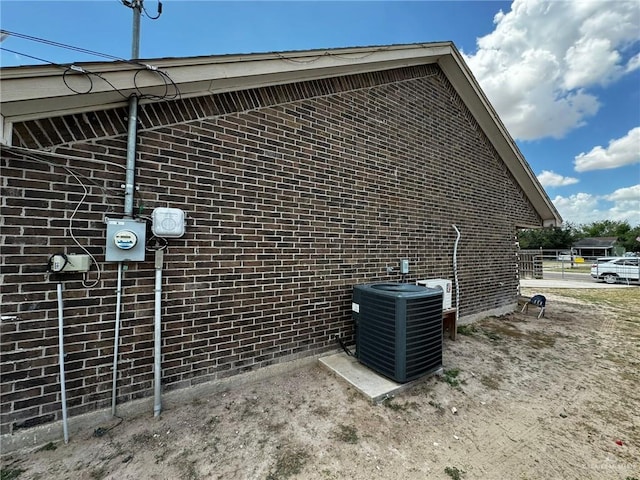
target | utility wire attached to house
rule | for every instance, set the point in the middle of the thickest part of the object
(140, 4)
(171, 90)
(51, 43)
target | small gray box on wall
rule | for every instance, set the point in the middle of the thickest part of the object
(126, 238)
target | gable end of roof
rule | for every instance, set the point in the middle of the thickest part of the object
(197, 76)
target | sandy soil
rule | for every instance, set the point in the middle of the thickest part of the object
(555, 398)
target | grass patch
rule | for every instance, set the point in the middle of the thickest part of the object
(451, 377)
(249, 408)
(324, 412)
(540, 340)
(98, 473)
(502, 329)
(624, 299)
(454, 472)
(491, 335)
(276, 427)
(347, 434)
(491, 383)
(143, 438)
(467, 329)
(10, 473)
(49, 447)
(389, 403)
(290, 462)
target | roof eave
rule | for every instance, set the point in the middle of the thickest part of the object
(194, 76)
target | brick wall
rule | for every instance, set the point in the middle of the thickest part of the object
(293, 193)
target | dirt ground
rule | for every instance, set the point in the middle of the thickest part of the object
(521, 398)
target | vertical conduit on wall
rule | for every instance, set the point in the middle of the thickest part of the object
(63, 388)
(116, 341)
(129, 191)
(129, 183)
(455, 272)
(157, 339)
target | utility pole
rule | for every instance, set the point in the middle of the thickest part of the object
(129, 186)
(136, 5)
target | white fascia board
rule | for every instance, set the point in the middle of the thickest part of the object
(5, 130)
(194, 76)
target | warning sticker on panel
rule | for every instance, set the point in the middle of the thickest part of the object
(355, 307)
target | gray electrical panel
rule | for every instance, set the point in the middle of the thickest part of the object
(126, 238)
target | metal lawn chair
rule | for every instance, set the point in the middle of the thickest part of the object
(538, 301)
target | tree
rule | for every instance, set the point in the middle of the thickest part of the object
(626, 236)
(564, 237)
(547, 238)
(605, 228)
(630, 240)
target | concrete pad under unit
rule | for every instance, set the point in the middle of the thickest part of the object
(372, 385)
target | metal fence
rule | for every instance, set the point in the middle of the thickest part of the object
(538, 264)
(530, 264)
(534, 263)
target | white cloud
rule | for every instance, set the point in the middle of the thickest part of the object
(579, 208)
(621, 205)
(621, 151)
(551, 179)
(542, 56)
(626, 204)
(625, 194)
(633, 64)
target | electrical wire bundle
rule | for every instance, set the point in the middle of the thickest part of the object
(171, 91)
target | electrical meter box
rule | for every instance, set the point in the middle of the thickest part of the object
(125, 240)
(168, 222)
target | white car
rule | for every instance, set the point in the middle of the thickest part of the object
(564, 257)
(620, 268)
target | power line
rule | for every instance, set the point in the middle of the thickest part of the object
(147, 13)
(31, 56)
(71, 68)
(67, 47)
(61, 45)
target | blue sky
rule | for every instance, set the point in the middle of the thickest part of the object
(563, 75)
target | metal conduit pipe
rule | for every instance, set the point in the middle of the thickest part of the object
(157, 332)
(130, 178)
(63, 388)
(116, 340)
(129, 184)
(129, 190)
(455, 272)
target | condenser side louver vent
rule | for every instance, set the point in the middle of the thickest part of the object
(376, 332)
(398, 329)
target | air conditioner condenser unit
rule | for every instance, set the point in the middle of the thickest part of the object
(398, 329)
